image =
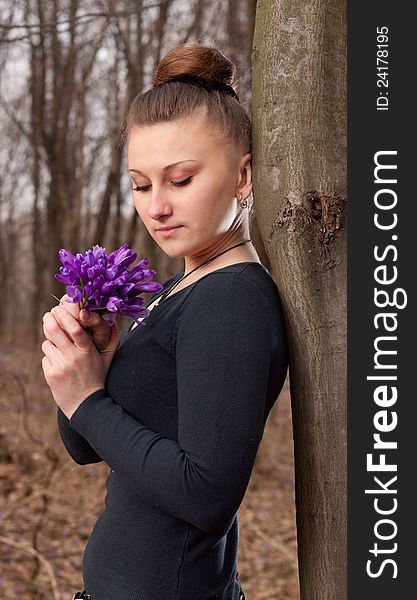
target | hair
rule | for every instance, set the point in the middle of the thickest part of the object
(169, 100)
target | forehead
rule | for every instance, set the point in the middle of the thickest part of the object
(167, 142)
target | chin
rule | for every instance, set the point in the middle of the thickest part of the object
(170, 251)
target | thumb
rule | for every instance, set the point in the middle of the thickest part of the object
(89, 317)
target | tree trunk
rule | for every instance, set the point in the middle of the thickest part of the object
(299, 165)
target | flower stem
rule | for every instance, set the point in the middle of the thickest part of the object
(60, 301)
(83, 300)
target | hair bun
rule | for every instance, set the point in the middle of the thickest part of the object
(201, 68)
(205, 62)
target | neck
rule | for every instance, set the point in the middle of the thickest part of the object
(223, 255)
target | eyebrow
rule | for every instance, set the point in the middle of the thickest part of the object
(165, 168)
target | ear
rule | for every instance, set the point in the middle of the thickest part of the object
(244, 187)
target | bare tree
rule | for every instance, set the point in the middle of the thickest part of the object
(76, 180)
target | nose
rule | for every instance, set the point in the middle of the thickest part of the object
(159, 205)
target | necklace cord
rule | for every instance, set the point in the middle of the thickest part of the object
(162, 297)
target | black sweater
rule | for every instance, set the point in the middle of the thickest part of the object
(179, 423)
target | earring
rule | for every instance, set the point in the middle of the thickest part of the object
(243, 203)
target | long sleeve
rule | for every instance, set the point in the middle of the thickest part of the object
(77, 446)
(224, 348)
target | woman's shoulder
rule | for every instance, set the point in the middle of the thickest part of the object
(250, 278)
(239, 302)
(246, 284)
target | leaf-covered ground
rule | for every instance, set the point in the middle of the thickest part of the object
(48, 504)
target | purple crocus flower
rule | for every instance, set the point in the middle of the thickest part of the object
(105, 284)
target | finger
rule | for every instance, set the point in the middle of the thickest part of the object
(54, 332)
(72, 326)
(97, 327)
(46, 361)
(114, 340)
(114, 337)
(50, 351)
(72, 307)
(66, 300)
(46, 366)
(90, 318)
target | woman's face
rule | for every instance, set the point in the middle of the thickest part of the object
(184, 175)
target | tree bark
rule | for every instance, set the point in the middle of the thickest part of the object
(299, 165)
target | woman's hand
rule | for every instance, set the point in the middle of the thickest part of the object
(96, 326)
(72, 366)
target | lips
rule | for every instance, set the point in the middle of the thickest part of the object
(166, 228)
(170, 232)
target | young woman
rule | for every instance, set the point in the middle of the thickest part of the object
(178, 411)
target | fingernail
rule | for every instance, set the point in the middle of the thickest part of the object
(86, 315)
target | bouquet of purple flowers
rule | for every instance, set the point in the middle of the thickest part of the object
(104, 284)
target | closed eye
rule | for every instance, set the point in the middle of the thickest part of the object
(144, 188)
